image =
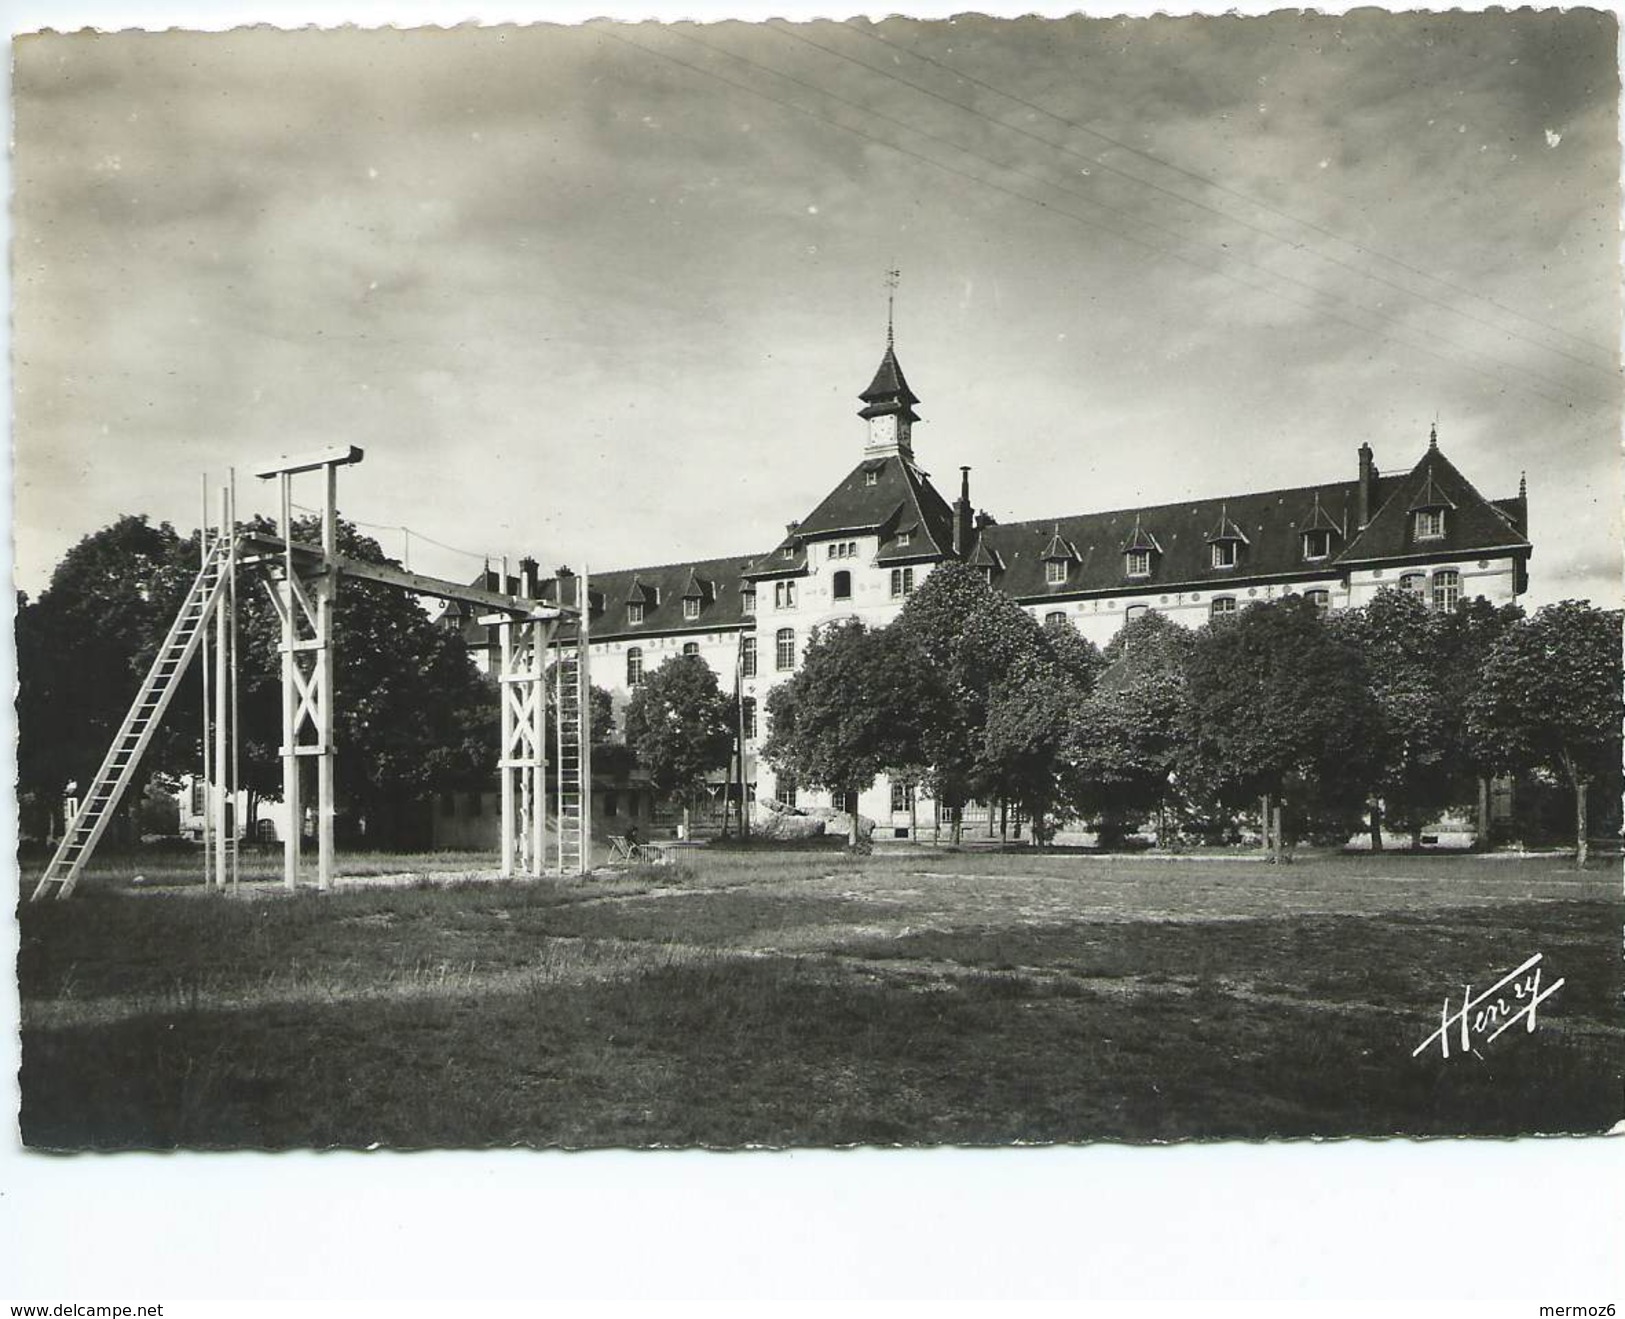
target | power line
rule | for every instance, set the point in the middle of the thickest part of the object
(1209, 181)
(1193, 202)
(410, 531)
(1138, 219)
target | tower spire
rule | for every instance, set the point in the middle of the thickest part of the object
(892, 277)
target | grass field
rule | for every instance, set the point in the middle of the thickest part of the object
(913, 996)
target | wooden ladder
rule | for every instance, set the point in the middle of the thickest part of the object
(568, 763)
(81, 835)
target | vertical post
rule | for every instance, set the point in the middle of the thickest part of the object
(326, 589)
(739, 712)
(222, 643)
(290, 729)
(207, 823)
(584, 671)
(537, 772)
(231, 607)
(504, 761)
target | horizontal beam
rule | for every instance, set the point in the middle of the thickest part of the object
(309, 462)
(415, 583)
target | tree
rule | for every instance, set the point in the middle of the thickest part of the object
(1030, 715)
(1465, 637)
(1415, 770)
(679, 724)
(1279, 707)
(1126, 738)
(970, 638)
(82, 650)
(859, 705)
(1548, 697)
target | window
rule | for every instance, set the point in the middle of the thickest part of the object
(834, 549)
(842, 586)
(634, 612)
(1414, 581)
(784, 649)
(987, 575)
(691, 608)
(1320, 598)
(747, 657)
(749, 708)
(1139, 563)
(634, 666)
(784, 595)
(691, 647)
(747, 602)
(904, 538)
(1222, 605)
(1054, 616)
(1430, 524)
(1134, 611)
(902, 581)
(1446, 589)
(1223, 553)
(1317, 544)
(902, 795)
(1055, 571)
(785, 792)
(871, 478)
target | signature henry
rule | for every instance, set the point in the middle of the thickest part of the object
(1512, 998)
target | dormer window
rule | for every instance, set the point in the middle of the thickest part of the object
(1428, 508)
(788, 552)
(634, 612)
(1224, 542)
(1055, 572)
(747, 601)
(871, 478)
(691, 608)
(1430, 524)
(1137, 563)
(904, 538)
(1317, 544)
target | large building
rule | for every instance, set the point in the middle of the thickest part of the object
(875, 538)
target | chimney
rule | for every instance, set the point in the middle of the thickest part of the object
(1366, 495)
(962, 516)
(527, 577)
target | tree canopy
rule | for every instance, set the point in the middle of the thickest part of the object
(1548, 697)
(680, 725)
(1278, 705)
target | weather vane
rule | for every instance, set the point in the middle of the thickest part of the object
(892, 276)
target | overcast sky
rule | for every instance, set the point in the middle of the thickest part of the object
(604, 294)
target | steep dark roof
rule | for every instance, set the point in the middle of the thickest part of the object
(675, 582)
(1271, 521)
(888, 391)
(1472, 523)
(901, 499)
